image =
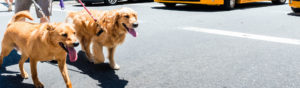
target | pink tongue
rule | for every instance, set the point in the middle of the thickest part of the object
(72, 54)
(132, 32)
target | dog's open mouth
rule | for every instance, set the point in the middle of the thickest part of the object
(70, 50)
(130, 30)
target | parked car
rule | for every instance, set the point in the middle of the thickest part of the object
(108, 2)
(295, 5)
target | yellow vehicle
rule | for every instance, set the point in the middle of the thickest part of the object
(227, 4)
(295, 5)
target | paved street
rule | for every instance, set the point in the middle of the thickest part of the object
(191, 46)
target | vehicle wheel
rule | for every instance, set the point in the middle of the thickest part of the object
(170, 5)
(88, 4)
(229, 4)
(278, 2)
(296, 10)
(110, 2)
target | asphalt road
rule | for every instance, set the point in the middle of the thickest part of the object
(191, 46)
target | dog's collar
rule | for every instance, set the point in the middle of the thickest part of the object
(100, 31)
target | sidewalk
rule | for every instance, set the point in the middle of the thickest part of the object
(4, 6)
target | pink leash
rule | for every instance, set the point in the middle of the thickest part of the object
(101, 30)
(87, 10)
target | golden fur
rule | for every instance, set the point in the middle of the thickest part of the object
(112, 22)
(39, 42)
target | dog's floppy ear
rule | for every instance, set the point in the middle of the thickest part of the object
(116, 17)
(50, 27)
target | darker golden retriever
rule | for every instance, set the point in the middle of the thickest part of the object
(116, 24)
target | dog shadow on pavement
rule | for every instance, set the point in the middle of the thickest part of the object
(12, 79)
(101, 72)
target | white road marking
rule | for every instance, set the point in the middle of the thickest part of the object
(245, 35)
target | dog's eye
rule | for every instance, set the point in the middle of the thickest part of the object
(65, 35)
(126, 16)
(74, 33)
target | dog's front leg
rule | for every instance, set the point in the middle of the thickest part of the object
(112, 63)
(85, 45)
(87, 49)
(34, 74)
(64, 72)
(98, 53)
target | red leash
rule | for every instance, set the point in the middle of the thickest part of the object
(101, 30)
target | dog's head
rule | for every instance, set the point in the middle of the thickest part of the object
(63, 34)
(126, 18)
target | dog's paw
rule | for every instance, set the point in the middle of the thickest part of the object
(96, 61)
(25, 75)
(115, 66)
(89, 56)
(69, 85)
(39, 85)
(91, 60)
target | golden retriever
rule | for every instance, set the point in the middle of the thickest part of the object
(116, 23)
(40, 42)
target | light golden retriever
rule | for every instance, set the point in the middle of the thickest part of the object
(40, 42)
(116, 24)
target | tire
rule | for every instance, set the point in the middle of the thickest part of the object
(278, 2)
(170, 5)
(110, 2)
(229, 4)
(296, 10)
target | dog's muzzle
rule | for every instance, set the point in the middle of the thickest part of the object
(62, 45)
(131, 30)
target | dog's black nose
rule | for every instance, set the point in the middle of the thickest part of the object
(75, 44)
(134, 25)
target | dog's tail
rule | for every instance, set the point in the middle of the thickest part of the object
(70, 16)
(21, 15)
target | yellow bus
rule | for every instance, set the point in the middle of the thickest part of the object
(226, 4)
(295, 5)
